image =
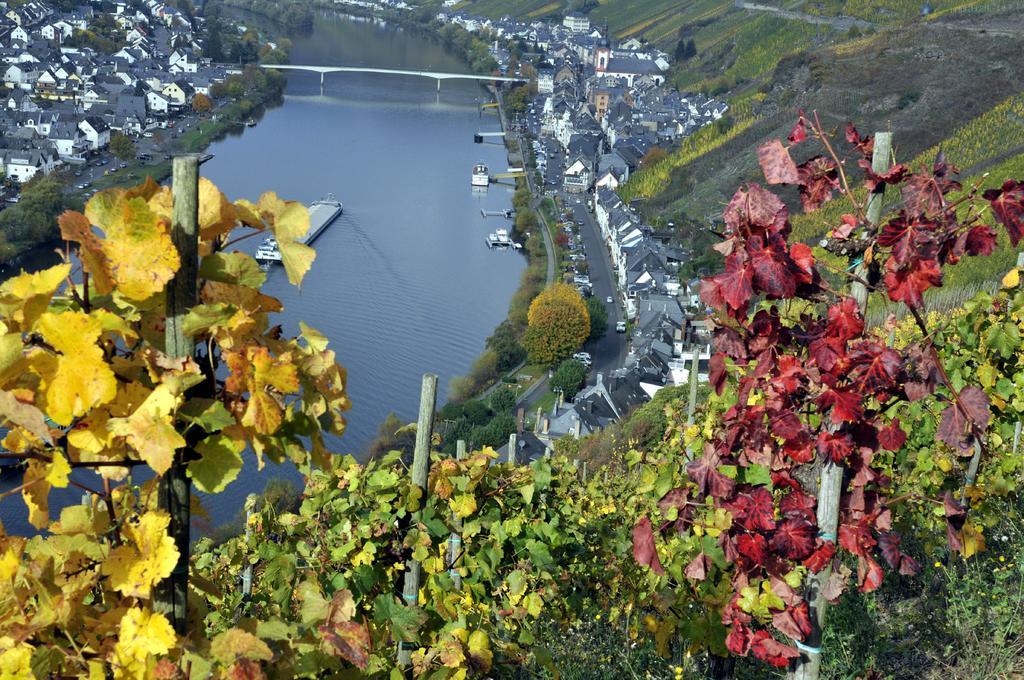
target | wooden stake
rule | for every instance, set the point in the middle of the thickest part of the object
(420, 469)
(694, 367)
(830, 487)
(455, 540)
(174, 489)
(512, 449)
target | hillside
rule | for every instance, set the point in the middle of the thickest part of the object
(948, 81)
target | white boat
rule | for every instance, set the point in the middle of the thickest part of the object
(481, 176)
(268, 251)
(500, 239)
(321, 214)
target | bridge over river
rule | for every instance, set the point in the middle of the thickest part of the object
(439, 76)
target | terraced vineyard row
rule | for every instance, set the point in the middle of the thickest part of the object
(649, 181)
(997, 132)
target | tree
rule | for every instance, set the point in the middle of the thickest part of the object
(557, 324)
(502, 399)
(505, 343)
(122, 146)
(568, 377)
(214, 47)
(201, 103)
(598, 318)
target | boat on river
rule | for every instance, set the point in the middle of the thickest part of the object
(500, 239)
(321, 214)
(481, 176)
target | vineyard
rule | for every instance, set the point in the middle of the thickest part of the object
(647, 182)
(718, 545)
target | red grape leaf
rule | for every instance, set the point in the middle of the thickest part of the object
(902, 235)
(955, 428)
(856, 538)
(776, 163)
(794, 538)
(771, 651)
(793, 621)
(803, 257)
(981, 240)
(755, 207)
(1008, 207)
(644, 551)
(906, 283)
(869, 574)
(892, 437)
(893, 175)
(698, 568)
(889, 544)
(844, 319)
(836, 583)
(705, 474)
(865, 145)
(799, 131)
(925, 194)
(754, 510)
(820, 558)
(716, 372)
(753, 549)
(772, 270)
(879, 366)
(738, 639)
(845, 404)
(349, 640)
(836, 446)
(796, 503)
(731, 287)
(818, 179)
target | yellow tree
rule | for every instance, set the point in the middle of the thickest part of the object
(558, 323)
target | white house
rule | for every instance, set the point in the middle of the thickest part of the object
(157, 102)
(96, 132)
(24, 165)
(577, 22)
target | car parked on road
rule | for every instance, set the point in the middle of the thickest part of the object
(610, 300)
(620, 326)
(583, 358)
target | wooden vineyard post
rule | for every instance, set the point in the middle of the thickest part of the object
(174, 488)
(830, 486)
(420, 468)
(455, 540)
(512, 443)
(691, 406)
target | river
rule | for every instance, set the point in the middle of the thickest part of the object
(403, 282)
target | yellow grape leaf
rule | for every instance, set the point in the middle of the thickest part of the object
(25, 416)
(146, 557)
(58, 470)
(75, 227)
(480, 649)
(137, 243)
(26, 296)
(15, 660)
(9, 562)
(463, 505)
(973, 540)
(150, 429)
(77, 379)
(289, 221)
(219, 465)
(257, 372)
(235, 643)
(216, 214)
(142, 636)
(1012, 278)
(36, 493)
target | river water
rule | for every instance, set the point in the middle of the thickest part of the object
(403, 282)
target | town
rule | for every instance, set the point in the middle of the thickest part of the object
(599, 111)
(68, 98)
